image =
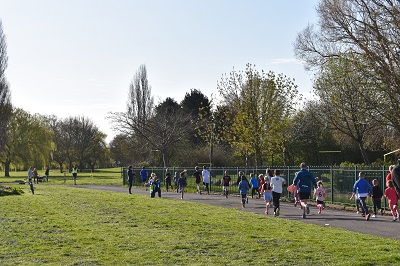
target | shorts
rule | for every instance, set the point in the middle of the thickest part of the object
(74, 175)
(320, 202)
(304, 195)
(226, 188)
(198, 180)
(267, 196)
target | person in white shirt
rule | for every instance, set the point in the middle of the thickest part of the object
(277, 183)
(206, 178)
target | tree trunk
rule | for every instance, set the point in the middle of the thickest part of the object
(7, 168)
(363, 153)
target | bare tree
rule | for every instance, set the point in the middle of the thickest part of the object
(369, 29)
(5, 95)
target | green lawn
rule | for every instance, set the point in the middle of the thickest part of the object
(63, 225)
(109, 176)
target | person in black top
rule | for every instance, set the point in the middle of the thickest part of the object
(130, 178)
(377, 194)
(225, 181)
(197, 175)
(168, 179)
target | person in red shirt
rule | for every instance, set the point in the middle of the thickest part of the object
(391, 195)
(389, 175)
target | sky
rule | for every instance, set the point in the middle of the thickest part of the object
(78, 57)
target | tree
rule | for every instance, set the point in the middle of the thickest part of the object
(261, 104)
(139, 107)
(29, 141)
(167, 128)
(341, 89)
(369, 29)
(5, 95)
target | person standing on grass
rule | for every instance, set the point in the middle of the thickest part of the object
(182, 183)
(277, 183)
(377, 194)
(206, 178)
(391, 195)
(143, 175)
(30, 174)
(320, 194)
(305, 180)
(35, 176)
(243, 188)
(168, 179)
(46, 173)
(197, 176)
(74, 172)
(131, 174)
(225, 181)
(364, 188)
(266, 190)
(254, 185)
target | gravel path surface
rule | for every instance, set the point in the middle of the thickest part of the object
(379, 226)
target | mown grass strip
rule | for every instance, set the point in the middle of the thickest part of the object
(71, 226)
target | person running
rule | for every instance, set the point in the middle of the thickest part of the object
(304, 179)
(391, 195)
(225, 181)
(182, 183)
(197, 176)
(176, 179)
(206, 178)
(243, 188)
(266, 190)
(168, 182)
(277, 183)
(320, 194)
(389, 175)
(363, 189)
(74, 172)
(143, 175)
(131, 174)
(254, 185)
(377, 194)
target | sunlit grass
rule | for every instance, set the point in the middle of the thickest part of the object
(71, 226)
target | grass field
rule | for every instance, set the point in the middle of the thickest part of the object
(63, 225)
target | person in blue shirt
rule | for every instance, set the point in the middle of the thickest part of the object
(254, 185)
(364, 189)
(155, 186)
(243, 188)
(305, 181)
(143, 174)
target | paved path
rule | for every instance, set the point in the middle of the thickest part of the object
(380, 226)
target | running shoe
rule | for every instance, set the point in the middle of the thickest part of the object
(277, 211)
(308, 209)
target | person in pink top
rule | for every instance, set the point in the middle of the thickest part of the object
(391, 195)
(319, 194)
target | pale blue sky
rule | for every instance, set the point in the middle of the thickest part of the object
(77, 57)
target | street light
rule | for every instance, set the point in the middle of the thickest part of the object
(163, 157)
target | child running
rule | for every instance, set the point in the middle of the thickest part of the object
(376, 197)
(243, 188)
(391, 195)
(319, 194)
(254, 185)
(266, 190)
(363, 188)
(225, 180)
(182, 183)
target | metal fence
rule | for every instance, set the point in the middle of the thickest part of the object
(338, 181)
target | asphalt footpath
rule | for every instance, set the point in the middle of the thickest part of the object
(382, 225)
